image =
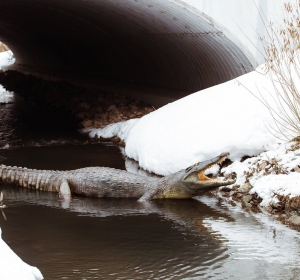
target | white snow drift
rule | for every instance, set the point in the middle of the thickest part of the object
(223, 118)
(6, 59)
(13, 268)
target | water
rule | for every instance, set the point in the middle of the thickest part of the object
(24, 123)
(92, 238)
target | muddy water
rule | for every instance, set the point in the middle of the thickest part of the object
(24, 123)
(120, 238)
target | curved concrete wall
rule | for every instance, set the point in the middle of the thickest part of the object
(242, 21)
(157, 42)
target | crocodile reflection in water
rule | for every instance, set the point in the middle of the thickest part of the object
(187, 214)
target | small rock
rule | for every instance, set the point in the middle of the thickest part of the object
(295, 202)
(263, 165)
(104, 116)
(133, 108)
(244, 188)
(238, 195)
(294, 219)
(254, 202)
(235, 187)
(115, 139)
(246, 204)
(97, 124)
(111, 108)
(99, 109)
(232, 193)
(296, 169)
(246, 198)
(226, 189)
(98, 116)
(277, 205)
(148, 109)
(121, 143)
(225, 194)
(274, 161)
(269, 209)
(88, 123)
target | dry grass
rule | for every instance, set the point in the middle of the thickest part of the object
(282, 65)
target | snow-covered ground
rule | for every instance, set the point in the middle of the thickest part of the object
(6, 59)
(13, 268)
(225, 118)
(271, 173)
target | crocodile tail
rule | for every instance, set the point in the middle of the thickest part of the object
(31, 178)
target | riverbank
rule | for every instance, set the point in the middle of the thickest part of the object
(225, 118)
(269, 182)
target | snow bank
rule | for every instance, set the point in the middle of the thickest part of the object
(223, 118)
(6, 59)
(13, 268)
(271, 173)
(5, 96)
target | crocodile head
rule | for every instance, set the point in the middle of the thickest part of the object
(194, 177)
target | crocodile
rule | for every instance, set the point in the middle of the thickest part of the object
(110, 182)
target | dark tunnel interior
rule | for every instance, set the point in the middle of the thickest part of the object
(158, 43)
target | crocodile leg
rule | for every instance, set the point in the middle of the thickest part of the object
(64, 190)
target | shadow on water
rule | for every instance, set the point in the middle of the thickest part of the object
(24, 123)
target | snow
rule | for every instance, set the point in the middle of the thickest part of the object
(229, 117)
(276, 178)
(223, 118)
(13, 268)
(6, 59)
(5, 96)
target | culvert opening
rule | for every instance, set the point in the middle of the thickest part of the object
(155, 43)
